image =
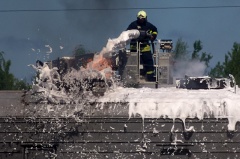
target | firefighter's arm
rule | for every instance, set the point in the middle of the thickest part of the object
(154, 36)
(154, 33)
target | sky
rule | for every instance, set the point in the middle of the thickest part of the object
(29, 35)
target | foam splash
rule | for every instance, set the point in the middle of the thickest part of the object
(179, 103)
(47, 83)
(116, 44)
(50, 49)
(68, 88)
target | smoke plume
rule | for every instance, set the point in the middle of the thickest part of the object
(190, 68)
(99, 23)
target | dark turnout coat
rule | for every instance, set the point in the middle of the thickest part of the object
(146, 26)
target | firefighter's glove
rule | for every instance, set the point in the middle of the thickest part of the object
(153, 37)
(149, 33)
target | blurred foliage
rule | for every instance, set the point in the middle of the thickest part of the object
(181, 53)
(7, 80)
(203, 57)
(79, 50)
(217, 71)
(231, 65)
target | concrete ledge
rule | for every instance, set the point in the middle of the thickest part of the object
(18, 104)
(10, 103)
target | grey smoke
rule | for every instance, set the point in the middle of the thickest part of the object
(190, 68)
(95, 26)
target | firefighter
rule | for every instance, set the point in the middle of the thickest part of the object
(145, 49)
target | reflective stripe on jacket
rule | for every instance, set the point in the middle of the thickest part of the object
(144, 47)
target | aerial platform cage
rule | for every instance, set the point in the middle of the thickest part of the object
(130, 67)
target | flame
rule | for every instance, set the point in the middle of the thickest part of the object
(100, 63)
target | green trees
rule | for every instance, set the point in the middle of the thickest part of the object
(204, 57)
(79, 50)
(7, 80)
(231, 65)
(232, 62)
(196, 62)
(197, 47)
(180, 52)
(217, 71)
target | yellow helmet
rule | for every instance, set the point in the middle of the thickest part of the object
(142, 14)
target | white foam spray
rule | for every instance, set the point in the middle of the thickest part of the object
(179, 103)
(46, 84)
(48, 79)
(116, 44)
(50, 49)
